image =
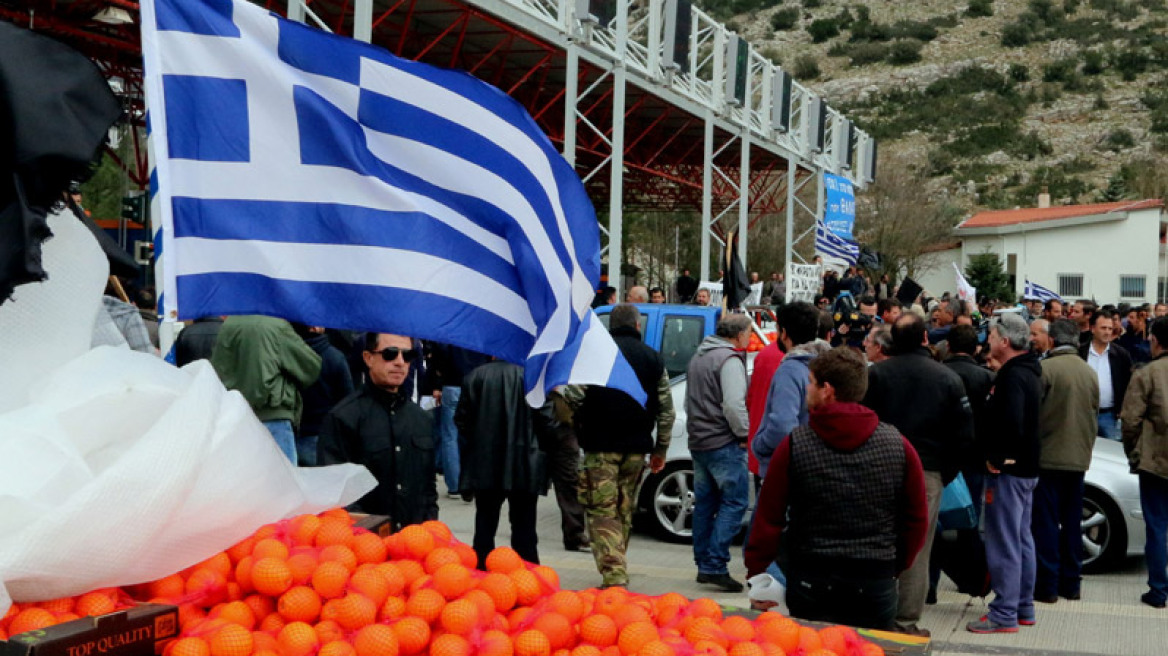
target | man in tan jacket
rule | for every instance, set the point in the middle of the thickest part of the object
(1066, 433)
(1145, 439)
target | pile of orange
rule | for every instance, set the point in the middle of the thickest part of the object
(319, 586)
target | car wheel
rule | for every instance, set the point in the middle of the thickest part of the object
(1104, 531)
(668, 498)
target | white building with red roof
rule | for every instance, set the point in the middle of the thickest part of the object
(1112, 252)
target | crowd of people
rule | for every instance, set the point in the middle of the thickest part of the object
(850, 427)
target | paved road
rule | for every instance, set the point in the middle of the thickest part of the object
(1109, 620)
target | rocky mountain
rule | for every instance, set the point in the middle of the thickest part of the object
(992, 100)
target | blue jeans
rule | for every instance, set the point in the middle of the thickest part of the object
(1109, 426)
(306, 449)
(1154, 503)
(1058, 533)
(448, 459)
(1010, 547)
(281, 430)
(721, 491)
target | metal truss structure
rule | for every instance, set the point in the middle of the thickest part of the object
(657, 105)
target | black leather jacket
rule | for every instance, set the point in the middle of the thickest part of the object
(394, 439)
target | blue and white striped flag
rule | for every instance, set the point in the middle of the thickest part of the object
(323, 180)
(1038, 292)
(833, 247)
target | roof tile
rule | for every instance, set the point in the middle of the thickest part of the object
(1034, 214)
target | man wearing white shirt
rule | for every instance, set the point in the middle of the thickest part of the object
(1112, 365)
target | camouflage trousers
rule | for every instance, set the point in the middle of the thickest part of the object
(608, 483)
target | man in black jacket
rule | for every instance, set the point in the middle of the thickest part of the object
(1012, 452)
(502, 442)
(333, 385)
(615, 433)
(1113, 367)
(197, 340)
(927, 403)
(379, 427)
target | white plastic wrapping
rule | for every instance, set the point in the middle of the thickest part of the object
(115, 467)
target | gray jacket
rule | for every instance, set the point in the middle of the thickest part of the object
(715, 396)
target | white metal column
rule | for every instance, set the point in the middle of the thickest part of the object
(707, 194)
(789, 240)
(571, 88)
(744, 198)
(616, 180)
(363, 20)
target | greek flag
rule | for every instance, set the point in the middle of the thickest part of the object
(1038, 292)
(320, 179)
(833, 247)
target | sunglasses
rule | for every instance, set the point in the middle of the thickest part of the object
(390, 354)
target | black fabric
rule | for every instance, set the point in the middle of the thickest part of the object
(735, 284)
(520, 513)
(908, 292)
(333, 384)
(197, 341)
(55, 109)
(1120, 362)
(926, 402)
(393, 438)
(1012, 411)
(564, 468)
(687, 286)
(978, 381)
(826, 596)
(501, 439)
(449, 364)
(843, 505)
(610, 421)
(121, 263)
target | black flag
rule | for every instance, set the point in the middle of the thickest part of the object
(735, 284)
(908, 292)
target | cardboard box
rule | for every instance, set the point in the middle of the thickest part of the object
(138, 631)
(378, 524)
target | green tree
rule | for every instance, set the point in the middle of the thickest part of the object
(985, 272)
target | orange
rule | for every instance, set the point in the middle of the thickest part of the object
(836, 638)
(452, 580)
(738, 629)
(376, 640)
(337, 648)
(520, 618)
(100, 603)
(298, 639)
(612, 650)
(501, 589)
(440, 531)
(170, 587)
(299, 604)
(586, 650)
(232, 640)
(669, 607)
(460, 616)
(31, 619)
(355, 610)
(483, 603)
(440, 556)
(503, 559)
(608, 601)
(557, 628)
(189, 614)
(417, 541)
(369, 548)
(236, 612)
(411, 570)
(272, 623)
(271, 576)
(705, 629)
(341, 554)
(547, 577)
(527, 586)
(532, 643)
(783, 632)
(302, 565)
(58, 606)
(809, 639)
(329, 579)
(708, 648)
(393, 608)
(265, 641)
(333, 531)
(629, 613)
(568, 604)
(260, 605)
(449, 644)
(188, 647)
(66, 617)
(753, 649)
(302, 530)
(636, 635)
(240, 549)
(706, 607)
(393, 577)
(413, 634)
(426, 604)
(370, 583)
(270, 548)
(338, 513)
(656, 648)
(466, 554)
(598, 630)
(220, 562)
(495, 643)
(243, 573)
(265, 531)
(769, 649)
(328, 631)
(871, 649)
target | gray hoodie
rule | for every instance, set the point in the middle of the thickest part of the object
(715, 397)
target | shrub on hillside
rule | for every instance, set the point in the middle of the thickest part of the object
(822, 29)
(1016, 35)
(811, 4)
(1093, 63)
(979, 8)
(1059, 71)
(905, 51)
(806, 68)
(785, 18)
(1130, 63)
(1019, 72)
(862, 54)
(1119, 139)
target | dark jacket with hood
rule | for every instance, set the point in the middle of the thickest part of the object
(197, 341)
(1011, 432)
(502, 441)
(394, 439)
(926, 402)
(334, 384)
(978, 381)
(845, 494)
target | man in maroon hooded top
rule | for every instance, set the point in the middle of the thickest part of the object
(843, 505)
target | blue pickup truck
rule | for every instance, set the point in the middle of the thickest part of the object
(675, 331)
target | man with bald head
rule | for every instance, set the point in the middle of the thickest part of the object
(637, 294)
(1040, 341)
(380, 427)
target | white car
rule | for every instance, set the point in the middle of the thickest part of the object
(1113, 524)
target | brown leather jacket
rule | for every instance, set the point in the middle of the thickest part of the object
(1145, 419)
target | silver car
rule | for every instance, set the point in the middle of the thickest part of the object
(1113, 524)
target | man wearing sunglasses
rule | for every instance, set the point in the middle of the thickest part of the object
(380, 427)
